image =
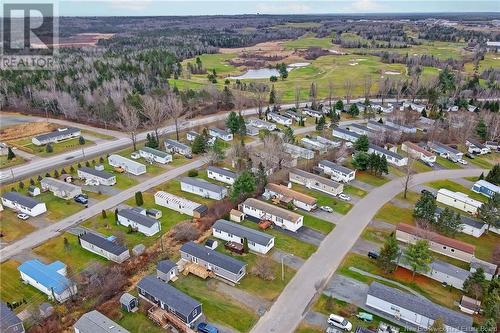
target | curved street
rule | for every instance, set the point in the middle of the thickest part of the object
(291, 306)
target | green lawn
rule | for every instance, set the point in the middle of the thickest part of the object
(419, 167)
(11, 227)
(445, 163)
(13, 290)
(58, 208)
(97, 135)
(318, 224)
(138, 322)
(174, 186)
(352, 190)
(395, 214)
(456, 187)
(217, 307)
(60, 147)
(323, 199)
(375, 235)
(286, 243)
(480, 162)
(306, 328)
(5, 163)
(308, 41)
(411, 197)
(370, 179)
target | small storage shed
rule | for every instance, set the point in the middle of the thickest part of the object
(167, 270)
(211, 244)
(129, 303)
(33, 191)
(138, 249)
(236, 216)
(154, 213)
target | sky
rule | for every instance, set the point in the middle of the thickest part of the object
(227, 7)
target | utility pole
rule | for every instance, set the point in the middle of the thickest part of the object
(283, 265)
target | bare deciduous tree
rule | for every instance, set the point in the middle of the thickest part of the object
(409, 172)
(185, 231)
(274, 156)
(128, 121)
(330, 93)
(367, 86)
(155, 109)
(348, 90)
(264, 268)
(174, 110)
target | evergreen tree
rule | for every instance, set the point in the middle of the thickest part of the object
(32, 182)
(21, 185)
(233, 122)
(48, 148)
(243, 185)
(418, 256)
(283, 71)
(482, 129)
(151, 141)
(199, 145)
(321, 124)
(353, 110)
(81, 140)
(437, 326)
(242, 128)
(494, 175)
(10, 154)
(339, 105)
(116, 215)
(139, 201)
(245, 245)
(362, 143)
(424, 113)
(383, 167)
(272, 95)
(425, 207)
(475, 283)
(448, 222)
(361, 160)
(103, 214)
(491, 304)
(489, 212)
(261, 175)
(388, 254)
(489, 326)
(289, 136)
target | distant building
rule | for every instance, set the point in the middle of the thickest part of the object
(259, 210)
(144, 224)
(402, 128)
(445, 151)
(489, 269)
(102, 177)
(415, 310)
(392, 157)
(418, 152)
(126, 164)
(328, 142)
(220, 264)
(104, 247)
(313, 113)
(474, 147)
(313, 144)
(413, 106)
(315, 182)
(175, 147)
(258, 241)
(60, 188)
(50, 279)
(261, 124)
(23, 204)
(203, 188)
(458, 200)
(96, 322)
(493, 145)
(437, 243)
(9, 321)
(338, 172)
(468, 225)
(180, 205)
(381, 127)
(252, 130)
(221, 174)
(170, 299)
(280, 119)
(345, 134)
(220, 134)
(59, 135)
(298, 152)
(287, 195)
(361, 130)
(151, 154)
(485, 188)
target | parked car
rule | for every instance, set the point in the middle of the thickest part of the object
(471, 156)
(428, 163)
(464, 162)
(326, 209)
(81, 199)
(207, 328)
(135, 155)
(23, 216)
(119, 169)
(344, 197)
(340, 322)
(424, 191)
(373, 255)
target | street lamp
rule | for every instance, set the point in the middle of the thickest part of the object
(283, 266)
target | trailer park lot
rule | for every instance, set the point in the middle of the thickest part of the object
(234, 307)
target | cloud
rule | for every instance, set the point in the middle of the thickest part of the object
(283, 8)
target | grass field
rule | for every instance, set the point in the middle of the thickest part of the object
(286, 243)
(318, 224)
(337, 205)
(216, 306)
(447, 164)
(5, 163)
(306, 328)
(308, 41)
(97, 135)
(481, 162)
(395, 214)
(370, 179)
(11, 227)
(452, 186)
(60, 147)
(352, 190)
(138, 322)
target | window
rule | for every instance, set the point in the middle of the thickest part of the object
(452, 250)
(444, 247)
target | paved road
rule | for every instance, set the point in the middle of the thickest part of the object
(291, 306)
(41, 235)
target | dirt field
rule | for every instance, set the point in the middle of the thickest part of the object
(26, 130)
(81, 40)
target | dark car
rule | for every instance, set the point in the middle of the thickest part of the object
(424, 191)
(373, 255)
(82, 199)
(207, 328)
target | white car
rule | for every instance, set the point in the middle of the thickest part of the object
(326, 209)
(135, 155)
(23, 216)
(92, 182)
(339, 322)
(464, 162)
(344, 197)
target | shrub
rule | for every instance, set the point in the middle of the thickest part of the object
(185, 231)
(139, 200)
(263, 268)
(49, 148)
(193, 173)
(81, 140)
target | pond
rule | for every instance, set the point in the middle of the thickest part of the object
(266, 73)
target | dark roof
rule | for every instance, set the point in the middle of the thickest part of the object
(386, 152)
(97, 173)
(96, 322)
(420, 305)
(361, 127)
(223, 171)
(203, 184)
(57, 133)
(20, 199)
(172, 297)
(201, 209)
(439, 145)
(449, 269)
(155, 152)
(487, 267)
(346, 131)
(323, 180)
(170, 142)
(336, 166)
(104, 243)
(137, 217)
(213, 257)
(244, 232)
(165, 266)
(7, 317)
(210, 242)
(465, 220)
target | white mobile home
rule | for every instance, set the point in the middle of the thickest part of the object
(93, 175)
(286, 195)
(143, 223)
(381, 127)
(191, 135)
(445, 151)
(56, 136)
(220, 134)
(475, 147)
(413, 106)
(129, 166)
(458, 200)
(260, 210)
(180, 205)
(468, 225)
(221, 174)
(151, 154)
(315, 182)
(175, 147)
(416, 151)
(489, 269)
(392, 157)
(252, 130)
(203, 188)
(415, 310)
(345, 134)
(493, 145)
(294, 115)
(280, 119)
(298, 152)
(96, 322)
(337, 172)
(313, 144)
(361, 130)
(328, 142)
(105, 247)
(23, 204)
(261, 124)
(59, 188)
(257, 241)
(313, 113)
